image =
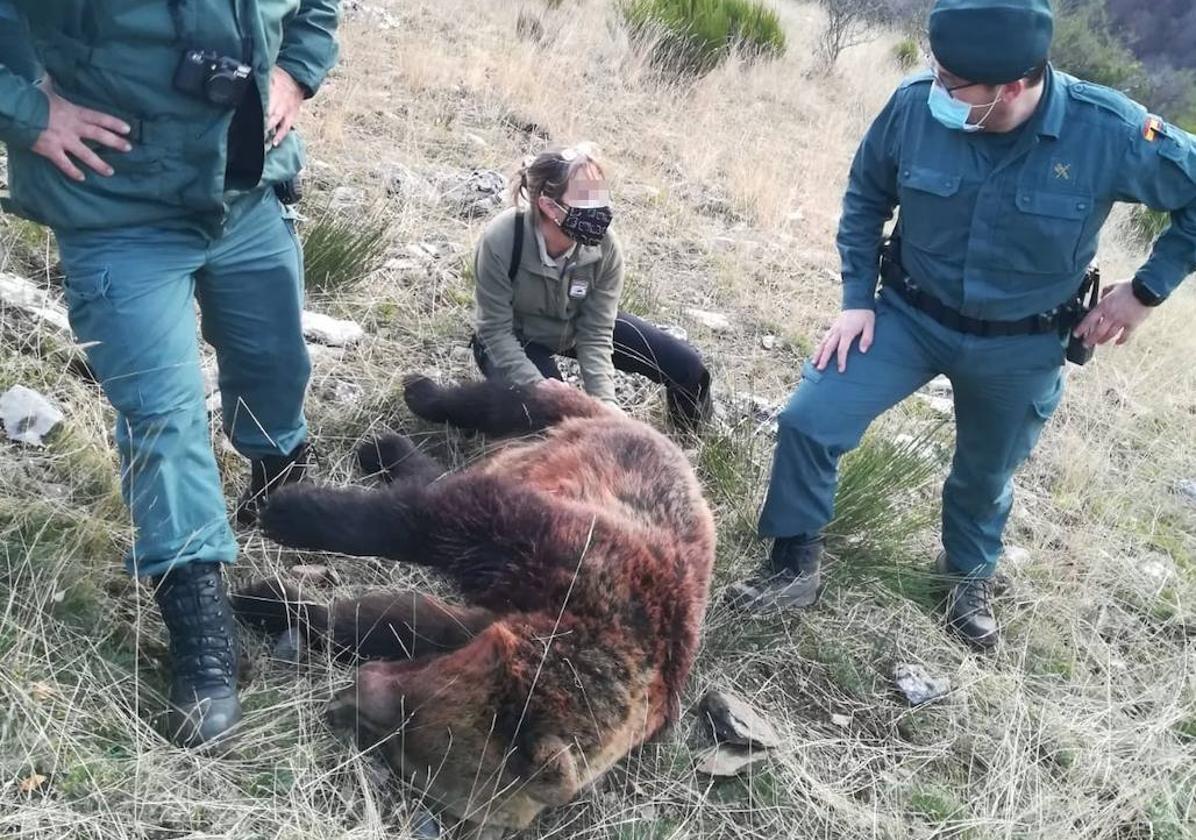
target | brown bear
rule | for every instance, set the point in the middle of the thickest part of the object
(584, 555)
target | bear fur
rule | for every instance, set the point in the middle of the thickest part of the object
(584, 557)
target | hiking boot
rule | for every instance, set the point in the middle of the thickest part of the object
(969, 606)
(793, 581)
(267, 475)
(203, 652)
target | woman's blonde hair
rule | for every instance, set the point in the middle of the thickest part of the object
(550, 172)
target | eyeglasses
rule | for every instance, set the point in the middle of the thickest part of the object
(936, 71)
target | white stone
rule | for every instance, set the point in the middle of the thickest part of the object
(939, 405)
(331, 331)
(918, 686)
(1157, 570)
(716, 321)
(1186, 487)
(842, 721)
(347, 393)
(768, 342)
(26, 296)
(940, 386)
(27, 416)
(1015, 555)
(347, 197)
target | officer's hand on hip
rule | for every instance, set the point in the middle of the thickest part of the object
(1116, 316)
(69, 126)
(850, 325)
(286, 97)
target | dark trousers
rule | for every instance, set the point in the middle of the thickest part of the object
(639, 347)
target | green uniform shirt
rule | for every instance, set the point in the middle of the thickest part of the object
(120, 56)
(1002, 234)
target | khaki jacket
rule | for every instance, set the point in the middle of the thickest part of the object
(538, 307)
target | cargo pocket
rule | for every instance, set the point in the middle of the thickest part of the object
(1041, 410)
(86, 287)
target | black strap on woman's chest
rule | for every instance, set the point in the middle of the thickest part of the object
(516, 247)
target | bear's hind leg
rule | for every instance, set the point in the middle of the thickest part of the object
(388, 624)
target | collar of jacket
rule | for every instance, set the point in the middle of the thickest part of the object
(530, 261)
(1050, 115)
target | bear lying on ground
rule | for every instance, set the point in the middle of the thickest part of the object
(584, 556)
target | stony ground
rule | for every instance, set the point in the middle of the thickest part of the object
(1082, 725)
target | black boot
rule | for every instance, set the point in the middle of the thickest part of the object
(203, 652)
(794, 579)
(969, 606)
(266, 476)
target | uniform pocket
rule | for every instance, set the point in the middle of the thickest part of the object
(1045, 405)
(811, 374)
(1043, 235)
(931, 207)
(86, 287)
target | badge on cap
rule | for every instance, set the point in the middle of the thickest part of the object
(1153, 128)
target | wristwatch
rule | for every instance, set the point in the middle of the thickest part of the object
(1144, 295)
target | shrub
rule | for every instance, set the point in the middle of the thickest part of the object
(695, 36)
(1086, 46)
(848, 24)
(907, 54)
(340, 251)
(1147, 225)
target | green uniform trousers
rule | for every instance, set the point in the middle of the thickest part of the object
(1005, 390)
(131, 294)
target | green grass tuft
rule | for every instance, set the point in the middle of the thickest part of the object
(340, 251)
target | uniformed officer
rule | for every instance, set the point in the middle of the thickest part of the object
(155, 140)
(1005, 170)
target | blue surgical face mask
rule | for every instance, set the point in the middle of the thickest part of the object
(953, 113)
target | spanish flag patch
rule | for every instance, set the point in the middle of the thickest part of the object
(1152, 129)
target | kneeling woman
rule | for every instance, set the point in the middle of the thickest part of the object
(549, 274)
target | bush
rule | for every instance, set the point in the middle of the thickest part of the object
(695, 36)
(907, 54)
(339, 251)
(849, 23)
(1147, 225)
(1086, 46)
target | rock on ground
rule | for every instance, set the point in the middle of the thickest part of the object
(735, 722)
(331, 331)
(27, 416)
(918, 685)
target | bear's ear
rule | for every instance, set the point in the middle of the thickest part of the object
(547, 765)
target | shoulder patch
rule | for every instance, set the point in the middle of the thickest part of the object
(1108, 99)
(1153, 128)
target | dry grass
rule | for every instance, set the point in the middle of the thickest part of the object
(1083, 725)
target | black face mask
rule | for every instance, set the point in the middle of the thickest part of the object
(586, 225)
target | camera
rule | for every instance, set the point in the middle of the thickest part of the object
(212, 77)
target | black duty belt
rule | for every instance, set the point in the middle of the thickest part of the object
(1058, 320)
